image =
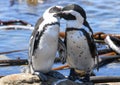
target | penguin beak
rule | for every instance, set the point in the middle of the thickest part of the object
(59, 14)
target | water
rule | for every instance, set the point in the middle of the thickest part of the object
(103, 15)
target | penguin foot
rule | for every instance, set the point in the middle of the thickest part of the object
(86, 78)
(41, 76)
(56, 74)
(73, 78)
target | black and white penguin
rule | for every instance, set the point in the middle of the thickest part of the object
(81, 49)
(44, 43)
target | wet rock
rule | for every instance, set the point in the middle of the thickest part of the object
(28, 79)
(19, 79)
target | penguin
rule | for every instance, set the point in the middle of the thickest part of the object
(80, 46)
(43, 44)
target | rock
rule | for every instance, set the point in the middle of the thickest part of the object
(28, 79)
(20, 79)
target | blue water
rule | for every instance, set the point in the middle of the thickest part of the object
(103, 15)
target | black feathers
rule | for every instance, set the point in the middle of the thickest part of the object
(54, 10)
(34, 33)
(68, 16)
(90, 42)
(77, 8)
(37, 39)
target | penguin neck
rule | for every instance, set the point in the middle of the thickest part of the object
(74, 24)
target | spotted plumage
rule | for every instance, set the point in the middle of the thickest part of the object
(81, 49)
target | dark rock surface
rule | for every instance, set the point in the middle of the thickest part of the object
(28, 79)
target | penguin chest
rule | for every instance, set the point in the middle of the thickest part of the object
(45, 53)
(78, 52)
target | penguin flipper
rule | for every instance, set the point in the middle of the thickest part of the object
(56, 74)
(33, 39)
(41, 76)
(72, 76)
(62, 51)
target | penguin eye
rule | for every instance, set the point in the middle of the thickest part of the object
(54, 10)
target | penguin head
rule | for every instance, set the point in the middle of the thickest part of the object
(52, 12)
(74, 12)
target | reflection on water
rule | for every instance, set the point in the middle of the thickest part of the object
(29, 2)
(32, 2)
(103, 15)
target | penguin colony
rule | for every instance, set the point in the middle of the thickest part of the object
(78, 49)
